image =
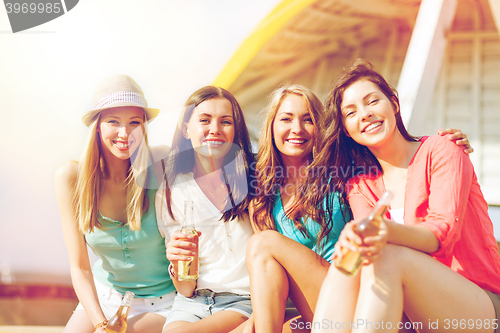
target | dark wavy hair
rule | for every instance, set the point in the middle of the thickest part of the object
(341, 158)
(237, 175)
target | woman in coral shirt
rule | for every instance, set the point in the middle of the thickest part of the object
(435, 258)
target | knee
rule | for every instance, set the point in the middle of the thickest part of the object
(260, 244)
(392, 262)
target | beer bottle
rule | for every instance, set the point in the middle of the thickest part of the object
(118, 323)
(188, 270)
(350, 262)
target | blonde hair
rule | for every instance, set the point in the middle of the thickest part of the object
(92, 169)
(269, 159)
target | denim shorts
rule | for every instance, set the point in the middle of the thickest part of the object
(110, 301)
(495, 298)
(205, 302)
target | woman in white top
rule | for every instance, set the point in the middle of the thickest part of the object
(209, 164)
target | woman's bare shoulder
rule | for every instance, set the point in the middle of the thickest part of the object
(67, 172)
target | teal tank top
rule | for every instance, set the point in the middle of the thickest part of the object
(285, 226)
(131, 260)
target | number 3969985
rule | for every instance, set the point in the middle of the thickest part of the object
(32, 8)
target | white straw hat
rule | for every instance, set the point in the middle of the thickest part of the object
(115, 91)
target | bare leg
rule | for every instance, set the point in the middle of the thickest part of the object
(220, 322)
(296, 325)
(175, 324)
(280, 267)
(427, 290)
(336, 302)
(293, 324)
(79, 322)
(146, 322)
(245, 327)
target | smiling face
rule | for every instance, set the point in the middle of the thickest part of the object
(121, 130)
(211, 128)
(293, 128)
(368, 115)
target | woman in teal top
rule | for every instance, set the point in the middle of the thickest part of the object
(104, 202)
(286, 227)
(126, 255)
(289, 257)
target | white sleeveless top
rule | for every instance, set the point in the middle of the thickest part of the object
(397, 215)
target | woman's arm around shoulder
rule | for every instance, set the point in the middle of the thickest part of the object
(458, 138)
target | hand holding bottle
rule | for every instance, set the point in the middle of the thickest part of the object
(369, 247)
(362, 241)
(182, 250)
(181, 246)
(118, 323)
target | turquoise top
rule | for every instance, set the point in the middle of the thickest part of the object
(132, 260)
(285, 226)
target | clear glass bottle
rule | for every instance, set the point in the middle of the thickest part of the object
(118, 323)
(350, 262)
(188, 270)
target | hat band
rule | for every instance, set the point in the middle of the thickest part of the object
(121, 97)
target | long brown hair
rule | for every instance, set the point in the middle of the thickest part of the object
(341, 158)
(181, 158)
(270, 173)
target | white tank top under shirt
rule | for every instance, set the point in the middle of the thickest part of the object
(397, 215)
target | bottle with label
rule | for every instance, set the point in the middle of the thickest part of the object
(350, 262)
(188, 269)
(118, 323)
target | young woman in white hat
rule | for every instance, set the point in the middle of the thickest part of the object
(106, 201)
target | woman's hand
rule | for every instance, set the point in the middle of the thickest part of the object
(458, 137)
(372, 247)
(181, 247)
(100, 330)
(369, 247)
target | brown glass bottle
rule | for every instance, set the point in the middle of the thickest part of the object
(118, 323)
(350, 261)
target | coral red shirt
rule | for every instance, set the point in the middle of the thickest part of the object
(442, 194)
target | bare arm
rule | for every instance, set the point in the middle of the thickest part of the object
(81, 273)
(415, 236)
